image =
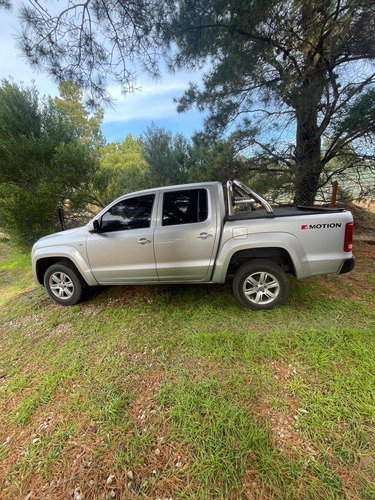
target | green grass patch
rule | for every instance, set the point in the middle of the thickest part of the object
(179, 392)
(222, 437)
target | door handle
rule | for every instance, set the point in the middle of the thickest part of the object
(204, 236)
(143, 241)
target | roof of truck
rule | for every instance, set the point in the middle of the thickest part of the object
(178, 186)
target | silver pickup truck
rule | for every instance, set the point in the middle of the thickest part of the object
(188, 234)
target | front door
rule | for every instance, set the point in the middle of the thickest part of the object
(122, 252)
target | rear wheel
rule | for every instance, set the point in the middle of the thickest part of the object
(260, 285)
(64, 284)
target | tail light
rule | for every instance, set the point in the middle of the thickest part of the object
(348, 242)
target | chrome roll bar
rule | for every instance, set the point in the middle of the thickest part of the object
(246, 195)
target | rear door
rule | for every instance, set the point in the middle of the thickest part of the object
(185, 236)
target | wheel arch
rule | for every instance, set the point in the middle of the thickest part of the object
(278, 255)
(44, 257)
(44, 263)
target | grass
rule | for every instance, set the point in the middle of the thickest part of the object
(177, 391)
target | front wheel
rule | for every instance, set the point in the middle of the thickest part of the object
(260, 285)
(63, 284)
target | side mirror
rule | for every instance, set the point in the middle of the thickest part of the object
(94, 226)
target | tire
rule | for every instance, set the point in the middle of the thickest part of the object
(260, 285)
(64, 284)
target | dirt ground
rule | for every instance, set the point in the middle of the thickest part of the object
(364, 218)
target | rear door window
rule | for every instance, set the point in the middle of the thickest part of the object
(185, 207)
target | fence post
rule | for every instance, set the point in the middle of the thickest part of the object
(335, 185)
(60, 212)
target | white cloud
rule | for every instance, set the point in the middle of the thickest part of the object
(150, 104)
(155, 88)
(153, 100)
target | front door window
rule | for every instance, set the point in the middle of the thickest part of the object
(133, 213)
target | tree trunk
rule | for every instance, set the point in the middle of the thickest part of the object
(308, 155)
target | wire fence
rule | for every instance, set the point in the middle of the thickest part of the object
(353, 184)
(69, 218)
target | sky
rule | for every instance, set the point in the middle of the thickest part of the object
(131, 114)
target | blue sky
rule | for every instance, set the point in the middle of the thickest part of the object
(153, 103)
(132, 113)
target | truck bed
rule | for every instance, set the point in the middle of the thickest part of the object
(281, 212)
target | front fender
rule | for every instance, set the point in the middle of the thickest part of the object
(285, 241)
(67, 252)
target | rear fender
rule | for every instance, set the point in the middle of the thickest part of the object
(285, 241)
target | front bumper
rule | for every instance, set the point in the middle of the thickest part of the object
(347, 265)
